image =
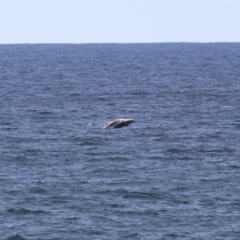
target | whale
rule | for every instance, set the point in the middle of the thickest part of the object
(118, 123)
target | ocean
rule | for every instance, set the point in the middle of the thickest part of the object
(172, 174)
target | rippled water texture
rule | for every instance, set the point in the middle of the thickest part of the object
(172, 174)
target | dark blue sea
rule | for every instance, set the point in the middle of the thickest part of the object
(172, 174)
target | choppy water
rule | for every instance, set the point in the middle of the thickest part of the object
(173, 174)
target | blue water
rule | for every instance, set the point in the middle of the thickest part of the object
(172, 174)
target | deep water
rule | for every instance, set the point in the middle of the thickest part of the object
(172, 174)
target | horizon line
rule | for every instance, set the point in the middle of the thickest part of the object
(85, 43)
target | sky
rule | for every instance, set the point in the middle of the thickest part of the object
(119, 21)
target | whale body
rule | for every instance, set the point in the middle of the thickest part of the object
(118, 123)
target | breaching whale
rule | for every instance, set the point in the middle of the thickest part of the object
(118, 123)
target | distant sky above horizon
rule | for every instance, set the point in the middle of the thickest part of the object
(119, 21)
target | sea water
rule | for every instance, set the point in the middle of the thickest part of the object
(172, 174)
